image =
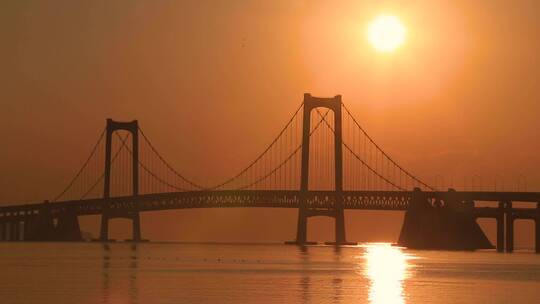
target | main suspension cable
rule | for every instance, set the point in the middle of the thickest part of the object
(229, 180)
(384, 153)
(82, 168)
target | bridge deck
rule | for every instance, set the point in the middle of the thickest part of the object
(361, 200)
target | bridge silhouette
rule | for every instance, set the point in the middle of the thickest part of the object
(322, 162)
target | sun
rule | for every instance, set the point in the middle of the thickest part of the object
(386, 33)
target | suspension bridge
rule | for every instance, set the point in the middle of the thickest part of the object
(322, 162)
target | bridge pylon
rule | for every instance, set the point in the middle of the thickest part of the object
(304, 212)
(107, 212)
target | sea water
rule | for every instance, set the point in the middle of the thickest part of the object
(261, 273)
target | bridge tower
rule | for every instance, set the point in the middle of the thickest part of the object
(333, 104)
(107, 213)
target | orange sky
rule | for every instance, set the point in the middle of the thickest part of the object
(214, 81)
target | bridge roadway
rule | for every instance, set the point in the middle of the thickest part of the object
(360, 200)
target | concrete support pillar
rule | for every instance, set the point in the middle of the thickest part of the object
(27, 228)
(136, 227)
(40, 226)
(6, 231)
(104, 230)
(67, 228)
(339, 222)
(22, 228)
(500, 228)
(537, 226)
(537, 235)
(14, 231)
(301, 227)
(509, 227)
(135, 224)
(17, 231)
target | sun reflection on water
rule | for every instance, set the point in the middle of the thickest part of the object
(386, 269)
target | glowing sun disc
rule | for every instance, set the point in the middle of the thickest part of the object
(386, 33)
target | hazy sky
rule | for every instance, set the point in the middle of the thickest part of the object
(214, 81)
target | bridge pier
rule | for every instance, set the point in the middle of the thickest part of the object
(509, 227)
(339, 223)
(537, 229)
(500, 227)
(67, 228)
(104, 230)
(136, 228)
(537, 235)
(15, 226)
(339, 227)
(5, 231)
(38, 225)
(27, 228)
(301, 229)
(451, 226)
(29, 221)
(135, 224)
(41, 226)
(7, 228)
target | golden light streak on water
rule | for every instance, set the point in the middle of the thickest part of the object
(386, 268)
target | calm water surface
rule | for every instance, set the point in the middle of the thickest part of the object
(223, 273)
